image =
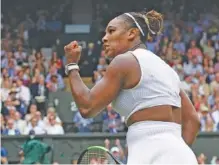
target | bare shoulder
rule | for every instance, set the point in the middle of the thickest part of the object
(123, 62)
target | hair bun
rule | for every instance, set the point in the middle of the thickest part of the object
(154, 20)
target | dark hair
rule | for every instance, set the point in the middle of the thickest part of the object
(151, 23)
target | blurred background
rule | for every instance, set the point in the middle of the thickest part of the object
(35, 92)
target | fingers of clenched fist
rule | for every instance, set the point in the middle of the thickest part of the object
(72, 47)
(73, 52)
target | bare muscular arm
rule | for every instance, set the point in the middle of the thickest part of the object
(190, 120)
(91, 102)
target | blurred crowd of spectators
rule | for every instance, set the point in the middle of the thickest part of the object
(189, 43)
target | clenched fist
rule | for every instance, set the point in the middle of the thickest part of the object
(73, 52)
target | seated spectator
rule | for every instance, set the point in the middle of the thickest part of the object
(19, 123)
(111, 120)
(82, 124)
(204, 87)
(216, 63)
(2, 124)
(215, 83)
(54, 128)
(4, 155)
(25, 74)
(179, 45)
(39, 119)
(215, 116)
(195, 51)
(34, 126)
(54, 80)
(98, 75)
(213, 97)
(206, 120)
(9, 59)
(10, 112)
(23, 92)
(10, 129)
(16, 100)
(32, 111)
(186, 84)
(53, 85)
(20, 56)
(40, 93)
(193, 67)
(51, 112)
(11, 69)
(201, 159)
(102, 65)
(210, 77)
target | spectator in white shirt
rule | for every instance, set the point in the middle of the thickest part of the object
(193, 67)
(215, 116)
(33, 126)
(23, 92)
(39, 119)
(51, 112)
(53, 128)
(20, 55)
(10, 130)
(5, 89)
(40, 122)
(19, 123)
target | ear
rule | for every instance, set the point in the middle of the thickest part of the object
(132, 33)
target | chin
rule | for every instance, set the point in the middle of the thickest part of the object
(109, 55)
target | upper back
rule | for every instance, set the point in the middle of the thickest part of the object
(159, 85)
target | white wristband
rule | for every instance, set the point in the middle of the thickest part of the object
(71, 66)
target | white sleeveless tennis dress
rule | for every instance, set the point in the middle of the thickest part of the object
(153, 142)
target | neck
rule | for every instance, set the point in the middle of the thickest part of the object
(135, 45)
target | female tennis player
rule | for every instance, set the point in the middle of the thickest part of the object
(143, 88)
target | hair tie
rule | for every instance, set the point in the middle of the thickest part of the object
(147, 22)
(139, 27)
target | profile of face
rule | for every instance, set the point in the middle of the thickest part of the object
(117, 37)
